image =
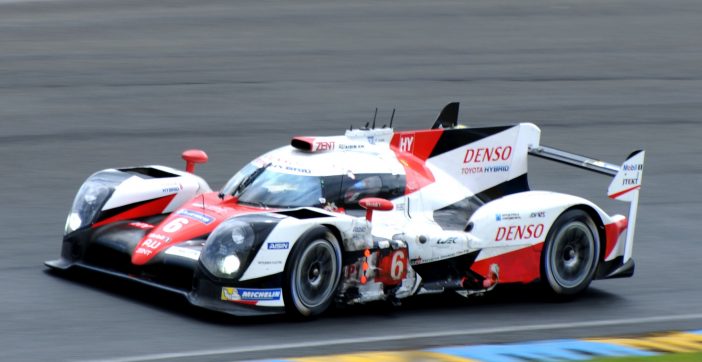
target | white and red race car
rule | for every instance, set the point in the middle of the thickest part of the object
(371, 215)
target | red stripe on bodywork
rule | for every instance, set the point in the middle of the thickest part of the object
(518, 266)
(416, 173)
(153, 207)
(412, 149)
(620, 193)
(612, 233)
(179, 227)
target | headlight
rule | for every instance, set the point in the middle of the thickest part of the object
(229, 265)
(226, 247)
(91, 198)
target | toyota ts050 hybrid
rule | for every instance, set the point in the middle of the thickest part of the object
(373, 214)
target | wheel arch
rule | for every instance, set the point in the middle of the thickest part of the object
(597, 219)
(337, 234)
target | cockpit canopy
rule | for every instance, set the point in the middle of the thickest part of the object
(280, 187)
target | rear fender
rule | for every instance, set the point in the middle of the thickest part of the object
(524, 219)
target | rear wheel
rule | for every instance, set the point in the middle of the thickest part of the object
(571, 253)
(312, 273)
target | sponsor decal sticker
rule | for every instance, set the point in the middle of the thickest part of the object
(197, 216)
(536, 214)
(246, 294)
(141, 225)
(159, 237)
(630, 181)
(451, 240)
(184, 252)
(279, 245)
(508, 216)
(291, 168)
(151, 244)
(350, 147)
(475, 158)
(324, 146)
(487, 154)
(269, 262)
(146, 252)
(519, 232)
(407, 143)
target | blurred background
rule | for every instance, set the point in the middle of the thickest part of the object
(87, 85)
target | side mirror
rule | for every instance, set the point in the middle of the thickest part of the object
(375, 203)
(192, 157)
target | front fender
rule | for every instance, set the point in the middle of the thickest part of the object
(272, 254)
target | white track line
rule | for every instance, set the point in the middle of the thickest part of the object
(456, 332)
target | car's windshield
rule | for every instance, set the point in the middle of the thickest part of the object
(270, 188)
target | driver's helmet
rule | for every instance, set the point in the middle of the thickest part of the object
(368, 186)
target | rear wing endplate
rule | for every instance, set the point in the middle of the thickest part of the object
(624, 187)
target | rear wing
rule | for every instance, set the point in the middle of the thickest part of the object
(624, 187)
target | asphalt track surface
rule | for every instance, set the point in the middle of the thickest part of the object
(86, 85)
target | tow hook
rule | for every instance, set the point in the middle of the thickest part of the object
(492, 277)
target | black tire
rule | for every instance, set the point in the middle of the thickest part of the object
(571, 253)
(312, 273)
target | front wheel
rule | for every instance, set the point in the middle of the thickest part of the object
(312, 273)
(571, 253)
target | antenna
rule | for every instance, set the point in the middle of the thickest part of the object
(374, 116)
(351, 127)
(366, 127)
(392, 117)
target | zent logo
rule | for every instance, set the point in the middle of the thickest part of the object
(407, 144)
(324, 146)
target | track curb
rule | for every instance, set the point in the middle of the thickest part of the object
(545, 350)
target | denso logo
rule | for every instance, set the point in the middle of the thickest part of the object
(487, 154)
(519, 232)
(324, 146)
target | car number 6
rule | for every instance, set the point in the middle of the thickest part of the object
(175, 225)
(398, 265)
